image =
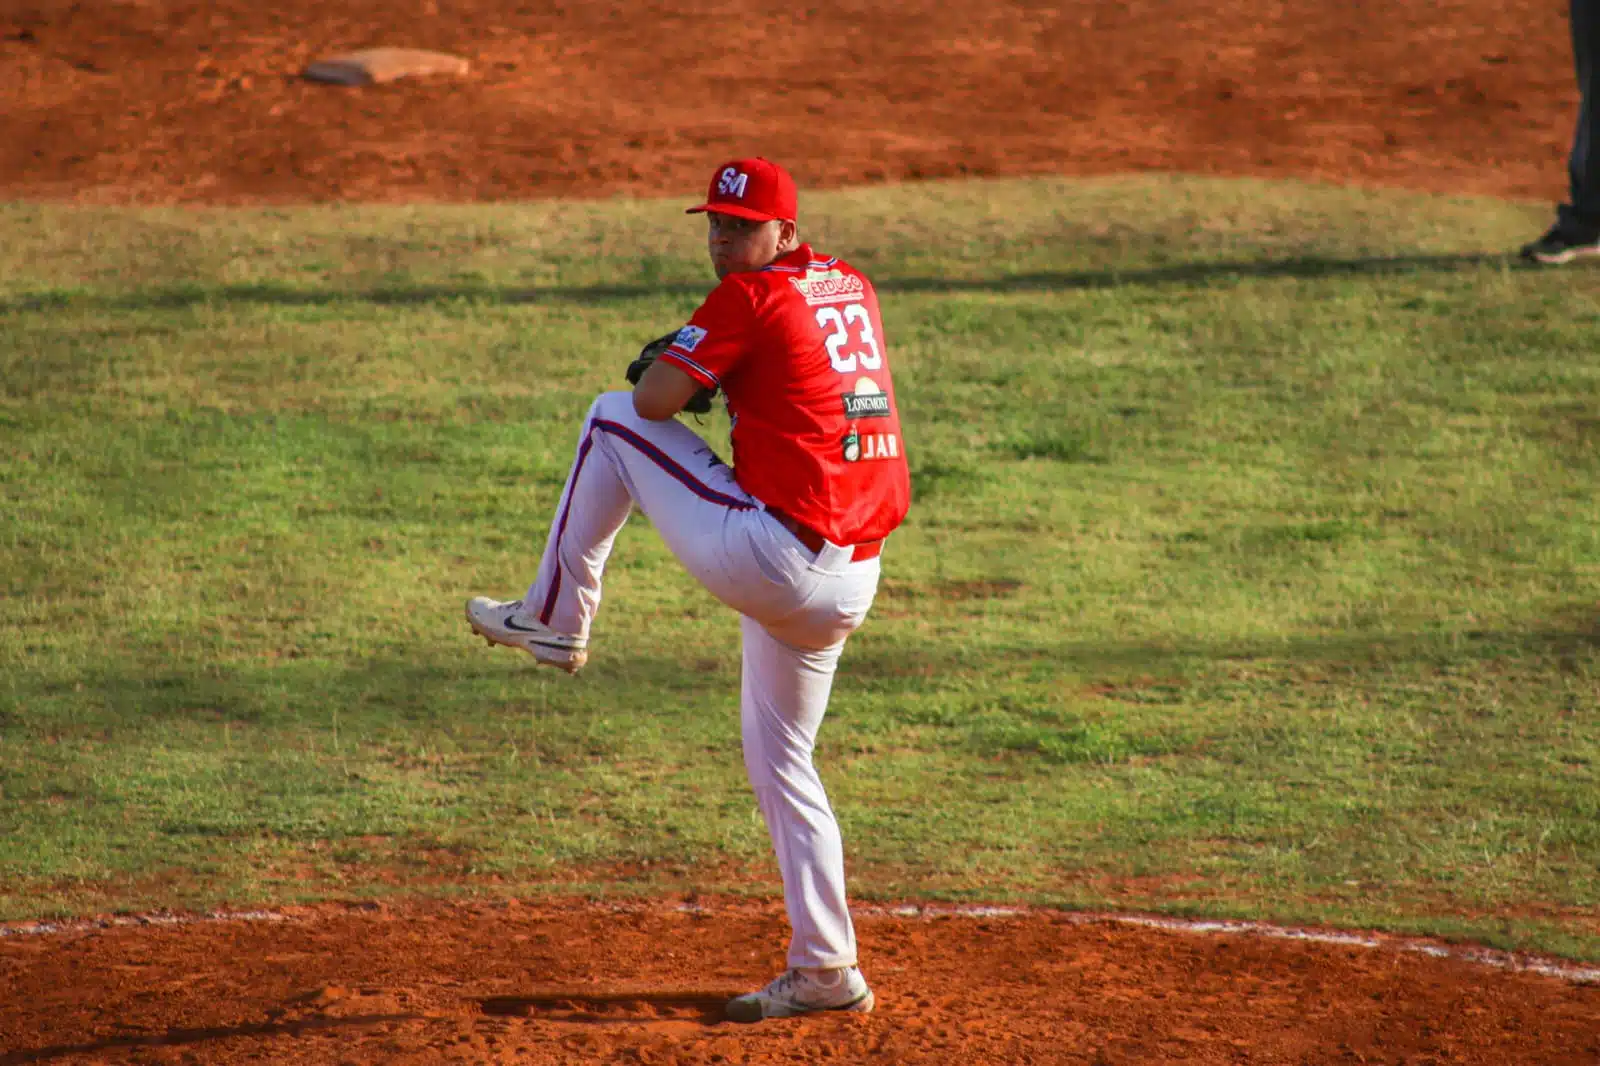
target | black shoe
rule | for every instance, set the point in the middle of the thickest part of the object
(1561, 245)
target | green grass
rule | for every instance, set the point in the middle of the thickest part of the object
(1253, 569)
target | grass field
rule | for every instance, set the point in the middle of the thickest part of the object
(1254, 568)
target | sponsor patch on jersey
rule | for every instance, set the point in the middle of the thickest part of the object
(689, 338)
(863, 447)
(866, 401)
(828, 287)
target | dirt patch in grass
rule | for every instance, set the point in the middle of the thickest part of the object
(185, 101)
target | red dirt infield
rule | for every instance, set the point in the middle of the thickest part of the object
(551, 982)
(199, 102)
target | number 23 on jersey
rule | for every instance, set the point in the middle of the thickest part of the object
(850, 339)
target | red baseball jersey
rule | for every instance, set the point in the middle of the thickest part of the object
(798, 350)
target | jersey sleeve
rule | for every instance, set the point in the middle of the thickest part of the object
(718, 335)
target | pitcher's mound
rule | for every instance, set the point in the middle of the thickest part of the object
(551, 982)
(374, 66)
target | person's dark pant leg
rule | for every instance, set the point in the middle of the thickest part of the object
(1582, 211)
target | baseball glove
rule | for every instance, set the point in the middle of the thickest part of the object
(699, 403)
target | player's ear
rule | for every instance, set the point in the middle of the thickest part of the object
(788, 233)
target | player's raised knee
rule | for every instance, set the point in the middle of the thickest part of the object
(613, 405)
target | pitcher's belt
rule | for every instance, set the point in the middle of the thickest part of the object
(815, 541)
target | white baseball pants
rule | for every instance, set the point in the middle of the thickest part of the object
(797, 608)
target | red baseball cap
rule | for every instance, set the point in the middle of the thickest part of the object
(756, 188)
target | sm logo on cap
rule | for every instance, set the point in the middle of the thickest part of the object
(732, 183)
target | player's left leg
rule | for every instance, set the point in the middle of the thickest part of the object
(668, 470)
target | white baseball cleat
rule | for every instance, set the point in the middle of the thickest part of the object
(805, 992)
(507, 623)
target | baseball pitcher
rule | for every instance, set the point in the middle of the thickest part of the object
(789, 535)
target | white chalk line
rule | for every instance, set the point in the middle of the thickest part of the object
(1488, 957)
(1500, 960)
(87, 925)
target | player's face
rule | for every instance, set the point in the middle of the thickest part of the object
(741, 244)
